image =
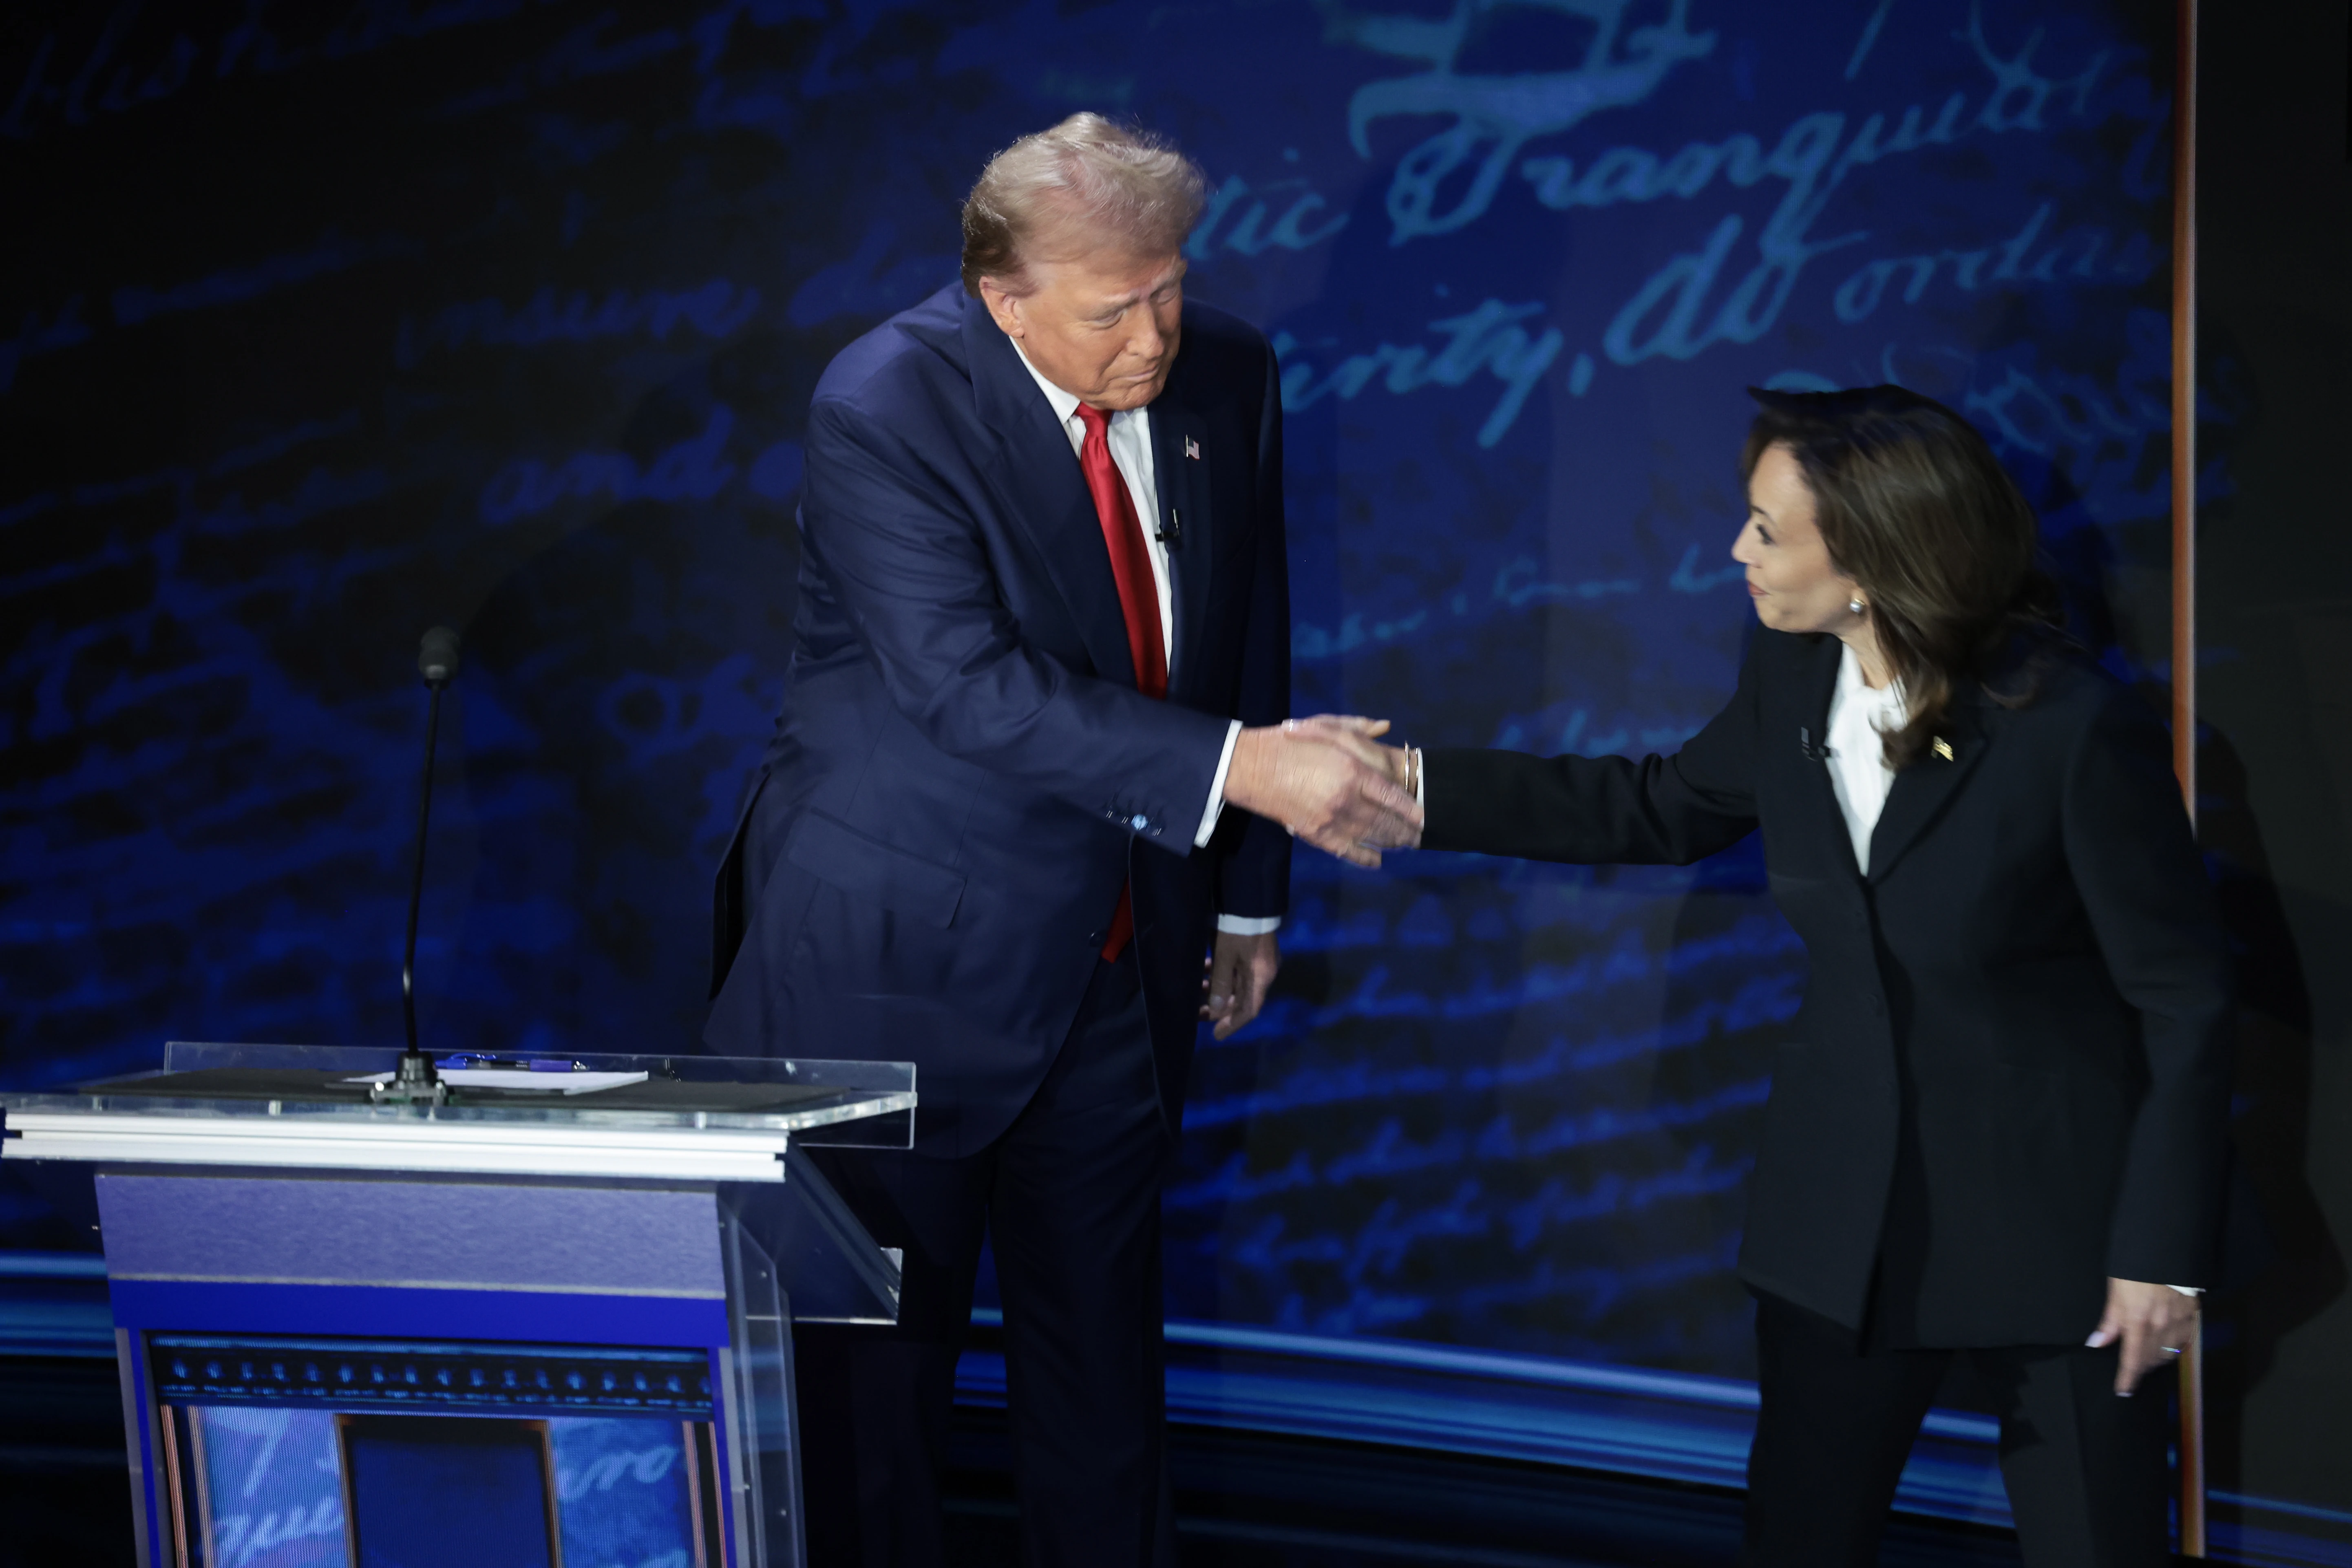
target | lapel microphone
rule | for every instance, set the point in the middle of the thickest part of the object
(1173, 535)
(1812, 753)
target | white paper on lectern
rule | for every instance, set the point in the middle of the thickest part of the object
(522, 1078)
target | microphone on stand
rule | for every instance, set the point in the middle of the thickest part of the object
(415, 1081)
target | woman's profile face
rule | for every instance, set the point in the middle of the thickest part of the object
(1790, 575)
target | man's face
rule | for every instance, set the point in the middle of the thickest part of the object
(1100, 323)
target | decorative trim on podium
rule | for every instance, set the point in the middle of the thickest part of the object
(447, 1377)
(703, 1154)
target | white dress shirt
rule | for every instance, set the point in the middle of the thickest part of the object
(1130, 437)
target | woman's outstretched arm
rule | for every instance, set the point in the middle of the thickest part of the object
(1598, 810)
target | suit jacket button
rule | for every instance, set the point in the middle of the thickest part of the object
(1138, 821)
(1096, 938)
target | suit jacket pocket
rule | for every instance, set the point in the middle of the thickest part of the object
(1819, 1199)
(905, 884)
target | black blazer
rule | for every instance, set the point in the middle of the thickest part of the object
(2010, 1076)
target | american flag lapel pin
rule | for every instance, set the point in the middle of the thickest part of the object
(1191, 447)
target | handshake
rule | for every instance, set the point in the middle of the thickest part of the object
(1329, 781)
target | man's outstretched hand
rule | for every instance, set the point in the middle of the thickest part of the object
(1329, 787)
(1357, 735)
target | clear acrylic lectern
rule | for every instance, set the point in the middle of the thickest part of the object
(526, 1326)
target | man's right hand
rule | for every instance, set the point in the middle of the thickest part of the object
(1329, 789)
(1357, 735)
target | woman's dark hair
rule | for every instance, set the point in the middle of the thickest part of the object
(1918, 511)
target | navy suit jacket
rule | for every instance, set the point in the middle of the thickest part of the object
(2010, 1079)
(964, 774)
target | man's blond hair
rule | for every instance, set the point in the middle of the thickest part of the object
(1122, 186)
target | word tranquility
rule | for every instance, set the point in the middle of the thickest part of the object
(1488, 340)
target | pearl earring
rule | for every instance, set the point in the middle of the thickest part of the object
(1854, 605)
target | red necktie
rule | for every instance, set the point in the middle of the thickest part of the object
(1138, 598)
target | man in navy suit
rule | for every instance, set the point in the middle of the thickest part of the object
(1033, 771)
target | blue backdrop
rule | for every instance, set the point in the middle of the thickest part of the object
(326, 323)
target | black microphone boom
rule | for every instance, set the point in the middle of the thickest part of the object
(437, 660)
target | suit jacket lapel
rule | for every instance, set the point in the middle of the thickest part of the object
(1183, 481)
(1811, 740)
(1921, 790)
(1049, 496)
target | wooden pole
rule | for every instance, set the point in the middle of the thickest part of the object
(2184, 636)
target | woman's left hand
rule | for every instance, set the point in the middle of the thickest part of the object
(2153, 1321)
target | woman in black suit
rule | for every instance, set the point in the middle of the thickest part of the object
(1998, 1127)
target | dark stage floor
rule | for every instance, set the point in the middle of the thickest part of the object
(65, 1484)
(1244, 1501)
(1250, 1501)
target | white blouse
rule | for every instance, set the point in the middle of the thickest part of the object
(1860, 719)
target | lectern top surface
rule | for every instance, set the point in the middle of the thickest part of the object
(335, 1087)
(322, 1082)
